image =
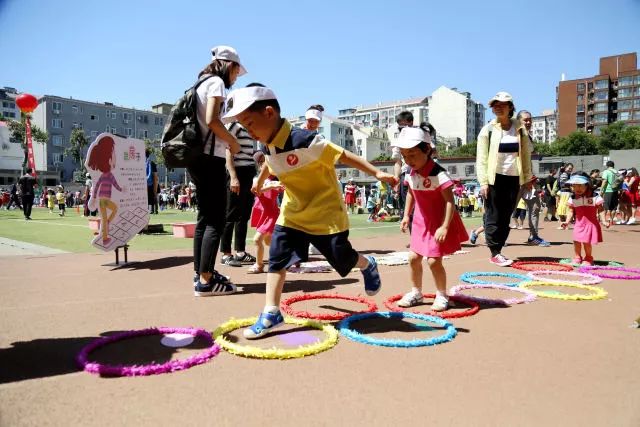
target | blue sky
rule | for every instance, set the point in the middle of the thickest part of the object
(340, 54)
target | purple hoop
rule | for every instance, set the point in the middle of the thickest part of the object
(593, 270)
(528, 295)
(82, 359)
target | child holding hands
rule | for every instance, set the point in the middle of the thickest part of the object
(437, 229)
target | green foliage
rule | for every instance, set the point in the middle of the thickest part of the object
(578, 143)
(18, 134)
(616, 136)
(467, 150)
(544, 149)
(383, 157)
(619, 136)
(154, 147)
(77, 143)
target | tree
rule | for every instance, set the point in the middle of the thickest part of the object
(611, 138)
(467, 150)
(77, 143)
(154, 147)
(544, 149)
(578, 143)
(18, 134)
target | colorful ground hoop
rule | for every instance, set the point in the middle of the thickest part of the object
(345, 330)
(528, 295)
(474, 307)
(596, 270)
(570, 262)
(596, 291)
(82, 359)
(469, 278)
(286, 306)
(527, 265)
(274, 353)
(588, 279)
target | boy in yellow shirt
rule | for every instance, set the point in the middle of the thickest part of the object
(312, 210)
(62, 200)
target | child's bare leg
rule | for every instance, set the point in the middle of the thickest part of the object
(577, 249)
(415, 262)
(275, 283)
(439, 275)
(587, 250)
(259, 239)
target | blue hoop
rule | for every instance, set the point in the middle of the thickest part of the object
(469, 278)
(353, 335)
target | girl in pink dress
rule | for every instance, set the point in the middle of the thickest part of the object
(350, 196)
(264, 214)
(586, 209)
(437, 229)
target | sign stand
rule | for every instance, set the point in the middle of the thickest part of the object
(117, 251)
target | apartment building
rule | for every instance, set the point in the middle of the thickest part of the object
(544, 127)
(383, 114)
(59, 116)
(589, 103)
(455, 115)
(8, 108)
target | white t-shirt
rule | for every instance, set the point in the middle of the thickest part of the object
(508, 153)
(210, 88)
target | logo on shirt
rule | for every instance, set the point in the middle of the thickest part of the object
(590, 201)
(426, 183)
(292, 160)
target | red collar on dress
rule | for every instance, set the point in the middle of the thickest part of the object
(424, 170)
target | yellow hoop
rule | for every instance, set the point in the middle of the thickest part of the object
(597, 292)
(274, 353)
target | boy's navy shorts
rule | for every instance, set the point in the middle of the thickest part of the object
(289, 246)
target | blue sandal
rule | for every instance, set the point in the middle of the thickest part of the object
(266, 323)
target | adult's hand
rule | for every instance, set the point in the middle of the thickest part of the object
(234, 185)
(484, 190)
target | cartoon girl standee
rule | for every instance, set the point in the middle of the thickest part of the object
(102, 158)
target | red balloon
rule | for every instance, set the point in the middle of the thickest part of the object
(27, 103)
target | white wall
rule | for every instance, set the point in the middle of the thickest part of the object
(448, 113)
(11, 153)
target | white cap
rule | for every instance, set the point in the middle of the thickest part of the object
(313, 114)
(501, 97)
(241, 99)
(410, 137)
(228, 53)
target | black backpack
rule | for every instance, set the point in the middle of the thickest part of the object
(182, 140)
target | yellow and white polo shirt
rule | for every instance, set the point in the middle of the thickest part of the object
(305, 164)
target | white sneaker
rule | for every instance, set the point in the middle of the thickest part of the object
(501, 261)
(441, 303)
(632, 220)
(410, 299)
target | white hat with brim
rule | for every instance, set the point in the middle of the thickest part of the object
(227, 53)
(313, 114)
(501, 97)
(578, 179)
(241, 99)
(410, 137)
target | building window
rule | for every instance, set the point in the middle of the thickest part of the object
(57, 123)
(107, 129)
(74, 109)
(600, 118)
(625, 105)
(158, 121)
(9, 114)
(580, 108)
(580, 87)
(128, 132)
(113, 115)
(625, 93)
(580, 99)
(57, 158)
(580, 119)
(601, 96)
(126, 117)
(636, 103)
(355, 173)
(636, 115)
(94, 117)
(57, 107)
(7, 104)
(469, 170)
(600, 106)
(453, 170)
(624, 115)
(57, 140)
(108, 114)
(625, 81)
(157, 137)
(114, 130)
(602, 84)
(143, 134)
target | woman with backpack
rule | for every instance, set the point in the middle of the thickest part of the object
(208, 171)
(503, 165)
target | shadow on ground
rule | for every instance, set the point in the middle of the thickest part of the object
(49, 357)
(157, 264)
(298, 285)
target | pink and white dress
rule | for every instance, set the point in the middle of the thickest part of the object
(587, 228)
(265, 211)
(426, 186)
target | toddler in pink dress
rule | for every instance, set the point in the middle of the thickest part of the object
(264, 215)
(437, 229)
(586, 209)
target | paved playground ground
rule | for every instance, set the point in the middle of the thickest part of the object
(551, 362)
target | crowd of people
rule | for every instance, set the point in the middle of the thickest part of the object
(256, 168)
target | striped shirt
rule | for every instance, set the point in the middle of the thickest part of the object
(104, 184)
(247, 145)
